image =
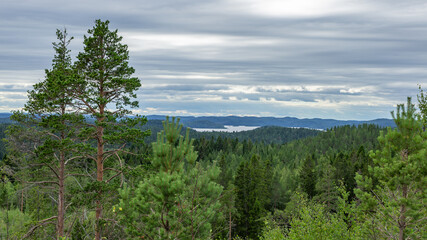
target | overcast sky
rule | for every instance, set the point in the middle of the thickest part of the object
(342, 59)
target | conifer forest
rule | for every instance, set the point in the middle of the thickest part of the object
(77, 164)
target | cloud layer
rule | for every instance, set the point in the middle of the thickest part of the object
(343, 59)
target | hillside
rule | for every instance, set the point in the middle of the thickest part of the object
(313, 123)
(267, 134)
(290, 122)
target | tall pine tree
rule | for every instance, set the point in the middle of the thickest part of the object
(49, 119)
(105, 91)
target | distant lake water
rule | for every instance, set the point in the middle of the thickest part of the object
(226, 129)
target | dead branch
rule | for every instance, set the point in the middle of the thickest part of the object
(39, 224)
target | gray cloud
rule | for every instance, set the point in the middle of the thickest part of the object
(354, 60)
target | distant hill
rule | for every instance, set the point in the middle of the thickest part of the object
(4, 118)
(269, 134)
(291, 122)
(266, 134)
(314, 140)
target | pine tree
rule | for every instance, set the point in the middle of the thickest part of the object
(180, 199)
(52, 125)
(104, 91)
(399, 200)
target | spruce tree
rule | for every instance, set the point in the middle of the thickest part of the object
(251, 191)
(399, 199)
(308, 177)
(326, 187)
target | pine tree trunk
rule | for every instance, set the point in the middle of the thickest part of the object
(99, 178)
(22, 200)
(61, 182)
(61, 198)
(100, 161)
(7, 216)
(229, 225)
(402, 218)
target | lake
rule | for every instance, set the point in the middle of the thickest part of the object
(226, 129)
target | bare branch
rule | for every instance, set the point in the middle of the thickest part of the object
(53, 170)
(39, 224)
(73, 158)
(121, 166)
(111, 178)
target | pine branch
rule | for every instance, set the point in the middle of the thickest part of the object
(39, 224)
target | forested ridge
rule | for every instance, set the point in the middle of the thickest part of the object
(268, 134)
(74, 167)
(292, 122)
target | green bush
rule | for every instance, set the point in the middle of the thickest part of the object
(13, 223)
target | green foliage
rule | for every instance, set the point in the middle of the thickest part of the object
(327, 185)
(104, 90)
(180, 199)
(3, 127)
(312, 221)
(49, 123)
(78, 231)
(103, 80)
(7, 193)
(105, 73)
(252, 196)
(67, 118)
(307, 176)
(398, 202)
(422, 105)
(13, 223)
(272, 231)
(282, 162)
(268, 135)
